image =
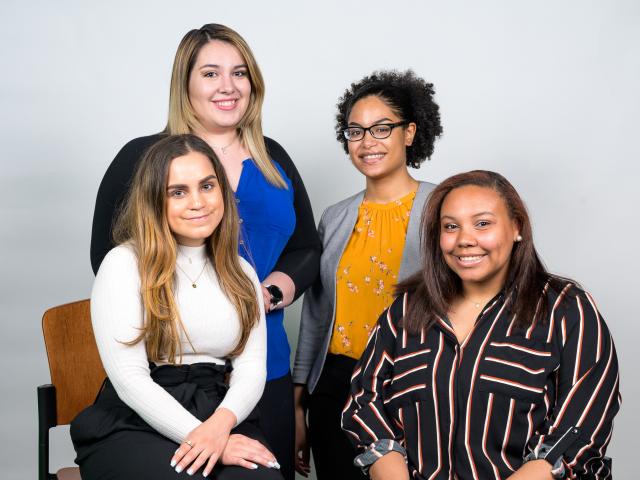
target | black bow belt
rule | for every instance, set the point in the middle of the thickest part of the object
(199, 388)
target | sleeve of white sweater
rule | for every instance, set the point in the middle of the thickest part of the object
(250, 367)
(117, 316)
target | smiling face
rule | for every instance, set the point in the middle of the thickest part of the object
(219, 86)
(379, 158)
(477, 236)
(194, 199)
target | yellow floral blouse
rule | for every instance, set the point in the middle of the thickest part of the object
(368, 271)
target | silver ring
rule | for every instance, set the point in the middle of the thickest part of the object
(189, 442)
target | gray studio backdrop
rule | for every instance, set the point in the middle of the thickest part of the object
(544, 92)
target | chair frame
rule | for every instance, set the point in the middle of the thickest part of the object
(47, 419)
(76, 375)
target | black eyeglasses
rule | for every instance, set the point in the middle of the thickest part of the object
(378, 131)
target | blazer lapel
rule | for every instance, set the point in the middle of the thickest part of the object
(337, 233)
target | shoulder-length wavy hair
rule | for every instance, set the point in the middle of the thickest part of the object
(182, 117)
(143, 223)
(435, 285)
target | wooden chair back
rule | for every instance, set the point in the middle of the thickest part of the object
(74, 362)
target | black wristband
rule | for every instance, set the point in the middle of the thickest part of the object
(276, 295)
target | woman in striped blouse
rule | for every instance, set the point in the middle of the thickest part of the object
(485, 366)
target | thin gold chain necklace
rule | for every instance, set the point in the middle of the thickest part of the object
(193, 281)
(476, 304)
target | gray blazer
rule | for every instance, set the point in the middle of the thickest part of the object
(318, 308)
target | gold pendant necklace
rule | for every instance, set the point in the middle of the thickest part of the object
(193, 281)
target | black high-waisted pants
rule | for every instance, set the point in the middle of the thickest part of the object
(114, 443)
(333, 453)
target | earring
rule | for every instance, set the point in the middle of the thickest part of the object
(518, 238)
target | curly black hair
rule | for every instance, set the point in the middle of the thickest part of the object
(409, 96)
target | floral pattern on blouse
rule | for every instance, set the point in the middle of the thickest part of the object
(368, 271)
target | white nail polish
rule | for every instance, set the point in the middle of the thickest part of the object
(173, 463)
(276, 464)
(178, 469)
(189, 472)
(254, 466)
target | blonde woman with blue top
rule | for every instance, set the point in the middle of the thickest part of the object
(217, 92)
(386, 122)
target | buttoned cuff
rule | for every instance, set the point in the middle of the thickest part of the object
(557, 469)
(376, 451)
(553, 453)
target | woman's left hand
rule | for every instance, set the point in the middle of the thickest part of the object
(205, 443)
(286, 286)
(247, 452)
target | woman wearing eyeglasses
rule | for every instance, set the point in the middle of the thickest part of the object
(386, 122)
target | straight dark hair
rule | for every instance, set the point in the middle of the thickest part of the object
(435, 285)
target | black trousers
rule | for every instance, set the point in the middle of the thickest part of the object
(115, 443)
(277, 422)
(333, 453)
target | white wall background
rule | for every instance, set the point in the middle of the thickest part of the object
(545, 92)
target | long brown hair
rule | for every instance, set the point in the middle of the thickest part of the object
(143, 223)
(182, 118)
(435, 285)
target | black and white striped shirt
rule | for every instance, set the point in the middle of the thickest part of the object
(475, 410)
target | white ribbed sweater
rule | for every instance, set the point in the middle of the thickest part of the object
(210, 321)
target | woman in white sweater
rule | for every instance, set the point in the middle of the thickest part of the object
(180, 330)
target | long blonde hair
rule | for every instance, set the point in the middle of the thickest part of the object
(182, 118)
(143, 223)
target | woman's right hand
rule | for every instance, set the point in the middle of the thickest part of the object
(247, 452)
(301, 442)
(391, 466)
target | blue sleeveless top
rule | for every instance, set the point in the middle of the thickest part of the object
(267, 220)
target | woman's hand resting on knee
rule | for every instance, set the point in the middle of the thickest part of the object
(247, 452)
(205, 443)
(211, 441)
